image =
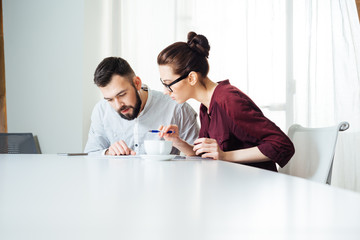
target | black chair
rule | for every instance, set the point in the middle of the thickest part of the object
(15, 143)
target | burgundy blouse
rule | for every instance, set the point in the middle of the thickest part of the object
(236, 122)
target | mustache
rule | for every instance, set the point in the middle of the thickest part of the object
(124, 107)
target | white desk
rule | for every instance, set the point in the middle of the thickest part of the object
(58, 197)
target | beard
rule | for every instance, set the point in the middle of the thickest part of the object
(136, 108)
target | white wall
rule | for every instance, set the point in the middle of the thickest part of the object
(50, 56)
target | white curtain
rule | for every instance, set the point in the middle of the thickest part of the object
(146, 28)
(326, 43)
(248, 47)
(346, 70)
(297, 59)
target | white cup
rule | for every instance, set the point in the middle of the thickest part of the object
(157, 147)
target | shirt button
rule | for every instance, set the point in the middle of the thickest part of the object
(136, 145)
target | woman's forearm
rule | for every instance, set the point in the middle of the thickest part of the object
(184, 147)
(248, 155)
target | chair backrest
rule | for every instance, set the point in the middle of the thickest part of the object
(15, 143)
(314, 151)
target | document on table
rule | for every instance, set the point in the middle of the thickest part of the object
(190, 158)
(109, 156)
(139, 156)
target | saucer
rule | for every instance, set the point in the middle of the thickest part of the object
(158, 157)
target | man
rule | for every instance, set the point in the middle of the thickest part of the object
(120, 122)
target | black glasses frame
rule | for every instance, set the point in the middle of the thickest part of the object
(168, 86)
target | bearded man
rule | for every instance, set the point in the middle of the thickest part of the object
(121, 121)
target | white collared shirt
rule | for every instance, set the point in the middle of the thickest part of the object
(107, 127)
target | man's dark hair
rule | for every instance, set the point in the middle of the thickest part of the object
(112, 66)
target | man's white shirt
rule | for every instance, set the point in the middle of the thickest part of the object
(107, 127)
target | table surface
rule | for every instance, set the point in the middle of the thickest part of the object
(83, 197)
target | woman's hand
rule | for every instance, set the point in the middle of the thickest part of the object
(209, 148)
(178, 143)
(174, 136)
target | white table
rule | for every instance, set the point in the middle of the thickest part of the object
(58, 197)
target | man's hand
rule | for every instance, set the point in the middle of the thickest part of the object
(119, 148)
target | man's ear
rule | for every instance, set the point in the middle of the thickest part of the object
(193, 78)
(137, 83)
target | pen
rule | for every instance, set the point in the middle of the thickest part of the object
(157, 131)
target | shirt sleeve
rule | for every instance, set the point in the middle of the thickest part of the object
(249, 120)
(97, 142)
(186, 119)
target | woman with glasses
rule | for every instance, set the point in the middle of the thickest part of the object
(233, 128)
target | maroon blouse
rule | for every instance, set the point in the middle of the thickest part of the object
(236, 122)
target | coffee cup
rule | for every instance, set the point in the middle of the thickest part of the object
(157, 147)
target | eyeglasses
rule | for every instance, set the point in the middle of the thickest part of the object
(173, 82)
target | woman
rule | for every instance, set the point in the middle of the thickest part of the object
(233, 128)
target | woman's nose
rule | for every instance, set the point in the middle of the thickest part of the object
(166, 91)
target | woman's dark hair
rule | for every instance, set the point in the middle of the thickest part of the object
(112, 66)
(185, 57)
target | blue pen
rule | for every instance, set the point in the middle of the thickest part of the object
(157, 131)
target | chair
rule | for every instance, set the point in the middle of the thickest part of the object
(15, 143)
(314, 152)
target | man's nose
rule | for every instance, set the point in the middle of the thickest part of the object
(118, 103)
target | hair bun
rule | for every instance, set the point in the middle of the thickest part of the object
(198, 43)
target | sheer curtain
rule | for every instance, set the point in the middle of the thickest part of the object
(244, 48)
(346, 70)
(326, 72)
(247, 40)
(146, 28)
(297, 59)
